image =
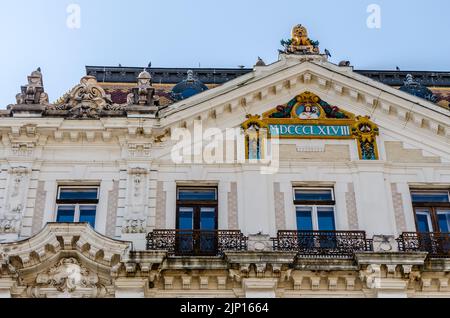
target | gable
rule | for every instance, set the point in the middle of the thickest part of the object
(270, 92)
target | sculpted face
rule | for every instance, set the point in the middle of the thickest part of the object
(299, 31)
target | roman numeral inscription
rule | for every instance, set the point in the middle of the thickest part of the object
(310, 130)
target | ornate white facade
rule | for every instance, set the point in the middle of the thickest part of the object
(125, 151)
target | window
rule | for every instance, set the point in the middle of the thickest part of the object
(196, 220)
(432, 210)
(77, 204)
(314, 209)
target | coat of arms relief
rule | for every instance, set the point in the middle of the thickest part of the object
(67, 279)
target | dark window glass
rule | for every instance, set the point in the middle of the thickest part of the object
(304, 219)
(313, 195)
(207, 218)
(197, 195)
(325, 218)
(422, 222)
(423, 196)
(186, 219)
(78, 194)
(87, 214)
(66, 214)
(444, 220)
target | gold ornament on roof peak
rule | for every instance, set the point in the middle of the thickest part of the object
(300, 43)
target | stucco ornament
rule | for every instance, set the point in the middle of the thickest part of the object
(68, 277)
(11, 216)
(87, 100)
(135, 218)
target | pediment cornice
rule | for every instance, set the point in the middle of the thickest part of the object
(287, 79)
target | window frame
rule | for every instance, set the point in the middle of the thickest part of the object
(77, 203)
(315, 205)
(196, 206)
(433, 208)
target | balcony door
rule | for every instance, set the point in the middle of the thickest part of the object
(315, 218)
(432, 211)
(432, 214)
(196, 221)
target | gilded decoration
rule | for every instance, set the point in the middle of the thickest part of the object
(307, 116)
(300, 43)
(255, 137)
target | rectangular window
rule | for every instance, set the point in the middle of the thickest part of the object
(432, 210)
(315, 209)
(77, 204)
(196, 220)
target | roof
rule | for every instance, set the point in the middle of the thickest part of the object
(116, 79)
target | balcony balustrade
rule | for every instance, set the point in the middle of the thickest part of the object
(436, 244)
(323, 244)
(196, 242)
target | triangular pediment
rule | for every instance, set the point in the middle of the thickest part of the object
(267, 89)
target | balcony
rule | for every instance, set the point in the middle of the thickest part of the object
(323, 244)
(196, 242)
(436, 244)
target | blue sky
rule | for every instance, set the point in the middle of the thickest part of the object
(414, 35)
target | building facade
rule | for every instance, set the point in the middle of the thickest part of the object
(301, 178)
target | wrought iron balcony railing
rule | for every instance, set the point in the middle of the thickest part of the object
(196, 242)
(436, 244)
(323, 244)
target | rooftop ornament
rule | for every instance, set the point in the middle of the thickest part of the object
(413, 87)
(300, 43)
(33, 93)
(189, 87)
(87, 100)
(144, 93)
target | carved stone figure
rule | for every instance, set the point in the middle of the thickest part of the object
(33, 92)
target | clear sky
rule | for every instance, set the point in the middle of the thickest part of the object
(414, 34)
